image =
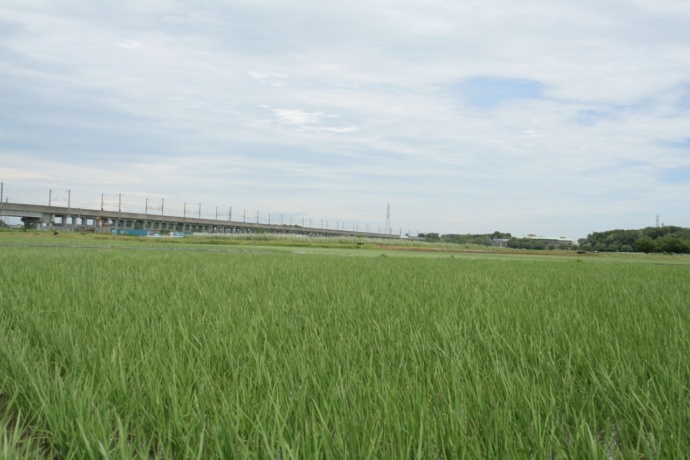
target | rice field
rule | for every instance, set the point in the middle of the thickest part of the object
(117, 353)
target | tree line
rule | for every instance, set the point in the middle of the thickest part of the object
(531, 243)
(480, 239)
(670, 239)
(666, 239)
(486, 239)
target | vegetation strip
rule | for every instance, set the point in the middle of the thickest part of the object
(174, 354)
(136, 248)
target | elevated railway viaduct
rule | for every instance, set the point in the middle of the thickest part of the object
(66, 218)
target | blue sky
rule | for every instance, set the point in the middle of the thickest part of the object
(467, 117)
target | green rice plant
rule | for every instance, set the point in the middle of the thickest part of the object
(182, 354)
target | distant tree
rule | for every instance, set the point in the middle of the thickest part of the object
(526, 243)
(538, 244)
(673, 245)
(480, 239)
(432, 237)
(654, 232)
(645, 244)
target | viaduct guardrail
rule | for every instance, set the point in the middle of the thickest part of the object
(56, 217)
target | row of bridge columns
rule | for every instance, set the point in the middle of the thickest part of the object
(44, 219)
(88, 222)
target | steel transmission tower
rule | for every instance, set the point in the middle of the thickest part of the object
(387, 227)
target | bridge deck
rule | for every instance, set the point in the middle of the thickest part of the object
(39, 216)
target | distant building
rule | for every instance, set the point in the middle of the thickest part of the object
(500, 242)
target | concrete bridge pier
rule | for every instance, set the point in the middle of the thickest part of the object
(63, 221)
(32, 222)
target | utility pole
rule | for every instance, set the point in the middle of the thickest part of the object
(244, 216)
(184, 211)
(257, 216)
(199, 210)
(119, 209)
(269, 218)
(69, 199)
(2, 192)
(101, 202)
(50, 196)
(230, 214)
(309, 223)
(162, 206)
(216, 212)
(302, 221)
(146, 213)
(290, 221)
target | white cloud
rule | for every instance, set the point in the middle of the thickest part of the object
(298, 117)
(129, 44)
(277, 80)
(309, 121)
(343, 129)
(11, 174)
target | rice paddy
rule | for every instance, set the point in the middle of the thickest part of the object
(118, 353)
